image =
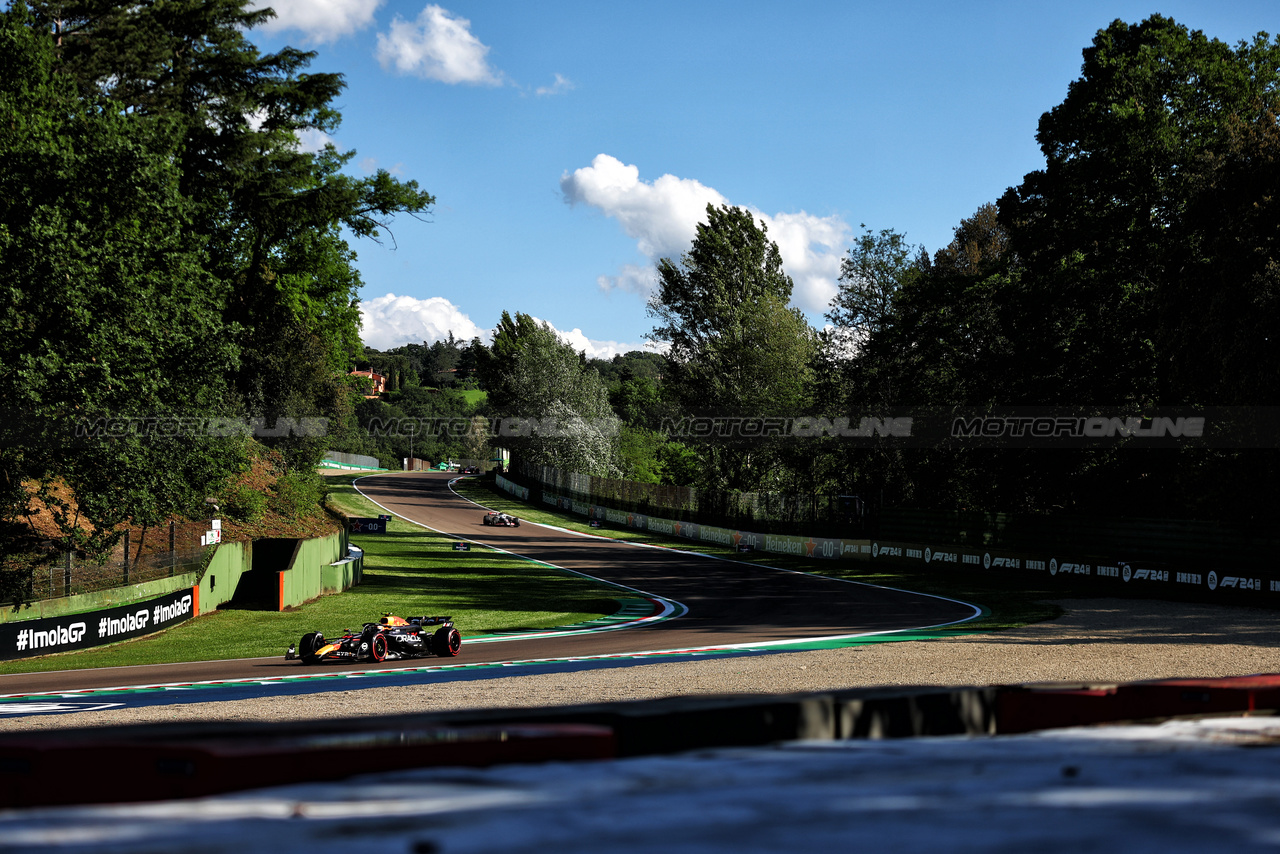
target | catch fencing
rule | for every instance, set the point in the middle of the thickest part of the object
(765, 512)
(163, 553)
(1173, 542)
(339, 460)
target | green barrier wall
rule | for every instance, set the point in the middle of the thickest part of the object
(310, 574)
(315, 567)
(221, 577)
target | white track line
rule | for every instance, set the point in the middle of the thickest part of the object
(670, 609)
(977, 611)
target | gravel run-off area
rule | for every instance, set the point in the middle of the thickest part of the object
(1095, 641)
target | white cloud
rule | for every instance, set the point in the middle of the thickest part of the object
(632, 278)
(437, 46)
(320, 21)
(662, 218)
(594, 348)
(310, 139)
(391, 321)
(561, 84)
(811, 248)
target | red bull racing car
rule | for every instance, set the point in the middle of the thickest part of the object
(501, 520)
(389, 639)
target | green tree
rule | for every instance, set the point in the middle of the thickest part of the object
(1143, 274)
(556, 409)
(734, 346)
(169, 250)
(269, 212)
(878, 268)
(109, 310)
(1101, 230)
(871, 274)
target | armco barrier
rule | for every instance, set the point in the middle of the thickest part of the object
(521, 492)
(338, 460)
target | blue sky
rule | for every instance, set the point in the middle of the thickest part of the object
(570, 145)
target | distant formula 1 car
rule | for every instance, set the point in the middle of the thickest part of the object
(501, 520)
(389, 639)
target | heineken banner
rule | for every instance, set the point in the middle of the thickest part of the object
(80, 631)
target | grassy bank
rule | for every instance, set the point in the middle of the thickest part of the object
(1008, 607)
(408, 571)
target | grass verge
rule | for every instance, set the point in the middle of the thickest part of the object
(407, 571)
(1008, 607)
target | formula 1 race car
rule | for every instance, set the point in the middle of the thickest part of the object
(501, 520)
(389, 639)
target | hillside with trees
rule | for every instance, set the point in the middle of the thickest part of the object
(177, 276)
(180, 286)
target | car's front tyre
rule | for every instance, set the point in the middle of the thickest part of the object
(307, 647)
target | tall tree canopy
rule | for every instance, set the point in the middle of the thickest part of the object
(1136, 269)
(271, 212)
(169, 248)
(1106, 232)
(735, 348)
(553, 408)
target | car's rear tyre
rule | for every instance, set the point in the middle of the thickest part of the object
(446, 642)
(307, 647)
(378, 647)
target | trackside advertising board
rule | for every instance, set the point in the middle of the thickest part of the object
(1119, 575)
(1123, 576)
(81, 631)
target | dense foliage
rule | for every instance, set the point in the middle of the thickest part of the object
(1137, 269)
(551, 408)
(171, 254)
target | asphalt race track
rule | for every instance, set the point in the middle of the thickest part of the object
(728, 603)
